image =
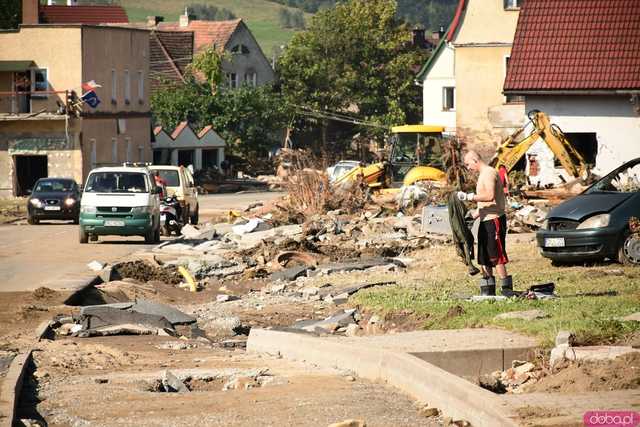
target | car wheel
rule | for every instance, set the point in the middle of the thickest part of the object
(629, 251)
(31, 220)
(84, 237)
(156, 235)
(195, 215)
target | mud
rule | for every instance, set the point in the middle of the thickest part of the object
(144, 272)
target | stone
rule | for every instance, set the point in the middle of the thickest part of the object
(96, 265)
(635, 317)
(223, 325)
(524, 368)
(352, 330)
(190, 232)
(223, 298)
(101, 380)
(173, 384)
(349, 423)
(528, 315)
(565, 338)
(557, 354)
(277, 288)
(310, 291)
(429, 412)
(375, 319)
(290, 274)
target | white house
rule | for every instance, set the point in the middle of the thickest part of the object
(585, 74)
(184, 147)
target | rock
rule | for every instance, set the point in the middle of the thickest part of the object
(528, 315)
(375, 319)
(173, 384)
(190, 232)
(277, 288)
(223, 298)
(223, 326)
(349, 423)
(290, 274)
(429, 412)
(524, 368)
(310, 291)
(101, 380)
(352, 330)
(557, 354)
(96, 265)
(565, 338)
(635, 317)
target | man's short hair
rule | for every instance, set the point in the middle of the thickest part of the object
(472, 155)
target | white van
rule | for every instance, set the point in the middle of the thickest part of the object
(120, 201)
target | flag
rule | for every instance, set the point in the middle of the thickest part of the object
(91, 99)
(90, 85)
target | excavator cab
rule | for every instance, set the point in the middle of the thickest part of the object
(416, 154)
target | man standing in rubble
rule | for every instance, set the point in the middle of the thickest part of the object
(493, 225)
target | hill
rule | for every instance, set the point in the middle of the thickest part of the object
(261, 16)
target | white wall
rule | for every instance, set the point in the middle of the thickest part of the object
(611, 118)
(440, 75)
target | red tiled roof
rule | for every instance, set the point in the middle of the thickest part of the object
(178, 130)
(90, 15)
(204, 131)
(567, 45)
(170, 52)
(157, 130)
(207, 33)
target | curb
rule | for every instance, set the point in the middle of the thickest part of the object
(11, 387)
(75, 295)
(425, 382)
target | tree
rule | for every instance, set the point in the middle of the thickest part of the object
(355, 57)
(10, 14)
(209, 64)
(207, 12)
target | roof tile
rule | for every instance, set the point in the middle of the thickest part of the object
(207, 33)
(90, 15)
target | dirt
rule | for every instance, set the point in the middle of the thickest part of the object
(44, 293)
(144, 272)
(622, 373)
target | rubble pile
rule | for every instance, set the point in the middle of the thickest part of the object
(513, 379)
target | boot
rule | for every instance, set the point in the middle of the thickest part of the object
(488, 286)
(506, 287)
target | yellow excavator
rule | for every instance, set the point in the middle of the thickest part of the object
(416, 155)
(514, 147)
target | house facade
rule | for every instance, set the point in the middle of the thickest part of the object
(462, 82)
(248, 64)
(186, 147)
(41, 132)
(592, 90)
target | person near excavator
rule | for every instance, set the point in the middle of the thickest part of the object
(493, 225)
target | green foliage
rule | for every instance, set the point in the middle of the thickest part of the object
(209, 63)
(209, 12)
(249, 118)
(357, 55)
(10, 14)
(289, 19)
(311, 6)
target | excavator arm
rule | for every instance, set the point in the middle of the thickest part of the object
(513, 149)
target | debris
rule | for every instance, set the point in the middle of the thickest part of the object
(254, 224)
(352, 330)
(429, 412)
(96, 265)
(172, 384)
(224, 298)
(565, 338)
(290, 274)
(527, 315)
(122, 329)
(374, 320)
(341, 318)
(524, 368)
(144, 307)
(223, 326)
(435, 219)
(349, 423)
(283, 259)
(193, 286)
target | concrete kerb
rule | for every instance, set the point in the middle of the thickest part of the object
(425, 382)
(11, 388)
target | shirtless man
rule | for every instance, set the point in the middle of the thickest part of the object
(493, 225)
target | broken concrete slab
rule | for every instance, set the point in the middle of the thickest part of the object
(362, 264)
(173, 384)
(565, 337)
(173, 315)
(93, 317)
(596, 353)
(290, 274)
(339, 319)
(123, 329)
(141, 306)
(528, 315)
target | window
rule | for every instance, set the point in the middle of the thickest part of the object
(114, 87)
(185, 157)
(128, 141)
(140, 87)
(512, 4)
(250, 79)
(114, 150)
(240, 49)
(92, 142)
(39, 82)
(511, 99)
(127, 87)
(170, 176)
(448, 98)
(232, 78)
(210, 158)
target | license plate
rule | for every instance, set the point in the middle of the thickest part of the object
(52, 208)
(113, 223)
(554, 242)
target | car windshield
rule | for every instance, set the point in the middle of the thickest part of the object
(340, 170)
(171, 177)
(54, 186)
(116, 182)
(625, 179)
(420, 149)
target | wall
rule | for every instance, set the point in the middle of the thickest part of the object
(612, 118)
(56, 48)
(255, 61)
(440, 75)
(485, 22)
(40, 137)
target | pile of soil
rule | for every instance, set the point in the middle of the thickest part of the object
(44, 293)
(144, 272)
(622, 373)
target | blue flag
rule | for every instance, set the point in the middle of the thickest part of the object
(91, 99)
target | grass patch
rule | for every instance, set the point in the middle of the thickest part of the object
(12, 209)
(438, 283)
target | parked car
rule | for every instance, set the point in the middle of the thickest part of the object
(336, 171)
(120, 201)
(54, 198)
(180, 183)
(595, 224)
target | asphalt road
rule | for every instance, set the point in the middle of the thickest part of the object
(50, 255)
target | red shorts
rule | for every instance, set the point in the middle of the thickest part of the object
(491, 242)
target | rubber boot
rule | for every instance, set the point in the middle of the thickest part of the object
(506, 287)
(488, 286)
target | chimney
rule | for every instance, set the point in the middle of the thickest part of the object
(153, 21)
(418, 38)
(441, 32)
(30, 12)
(184, 19)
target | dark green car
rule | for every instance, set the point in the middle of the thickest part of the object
(595, 224)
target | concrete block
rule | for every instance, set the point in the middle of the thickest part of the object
(565, 338)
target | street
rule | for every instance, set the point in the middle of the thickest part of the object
(50, 254)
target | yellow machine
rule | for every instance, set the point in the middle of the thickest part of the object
(415, 155)
(513, 149)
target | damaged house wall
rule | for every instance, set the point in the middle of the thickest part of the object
(611, 118)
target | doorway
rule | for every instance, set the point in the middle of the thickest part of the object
(28, 170)
(185, 157)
